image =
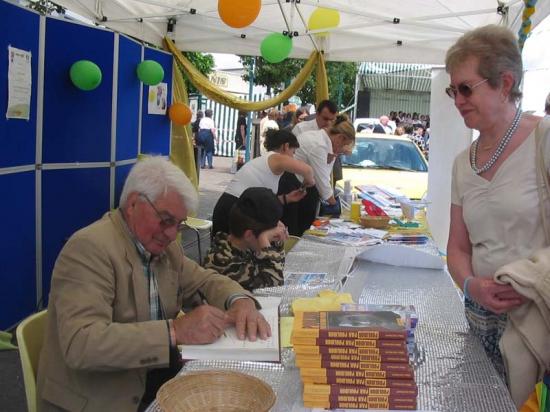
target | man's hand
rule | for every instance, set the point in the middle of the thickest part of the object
(204, 324)
(247, 320)
(495, 297)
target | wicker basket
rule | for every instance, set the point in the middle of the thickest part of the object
(215, 391)
(376, 222)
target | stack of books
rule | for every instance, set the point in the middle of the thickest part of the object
(407, 313)
(354, 360)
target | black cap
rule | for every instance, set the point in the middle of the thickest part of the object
(260, 204)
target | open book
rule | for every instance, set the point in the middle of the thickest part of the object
(229, 347)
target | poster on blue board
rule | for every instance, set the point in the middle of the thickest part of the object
(157, 99)
(19, 84)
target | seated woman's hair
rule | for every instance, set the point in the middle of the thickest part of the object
(274, 139)
(497, 51)
(257, 209)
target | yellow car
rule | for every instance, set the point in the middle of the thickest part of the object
(389, 161)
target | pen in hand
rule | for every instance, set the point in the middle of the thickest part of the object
(205, 302)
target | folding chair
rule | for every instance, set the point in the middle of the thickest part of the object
(30, 336)
(197, 225)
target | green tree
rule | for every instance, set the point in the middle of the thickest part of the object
(203, 63)
(45, 7)
(275, 77)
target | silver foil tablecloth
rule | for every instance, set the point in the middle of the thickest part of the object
(451, 369)
(453, 373)
(311, 256)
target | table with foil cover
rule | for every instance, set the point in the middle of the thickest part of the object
(451, 369)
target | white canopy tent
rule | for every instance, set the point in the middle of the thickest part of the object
(369, 30)
(415, 31)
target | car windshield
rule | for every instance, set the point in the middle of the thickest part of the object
(385, 154)
(365, 127)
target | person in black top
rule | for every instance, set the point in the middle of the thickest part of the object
(195, 126)
(240, 132)
(195, 131)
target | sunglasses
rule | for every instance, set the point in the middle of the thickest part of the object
(463, 89)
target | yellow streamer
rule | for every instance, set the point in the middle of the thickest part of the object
(181, 146)
(215, 93)
(321, 88)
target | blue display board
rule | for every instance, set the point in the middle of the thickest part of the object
(155, 129)
(76, 130)
(121, 172)
(71, 200)
(127, 99)
(77, 124)
(18, 246)
(19, 29)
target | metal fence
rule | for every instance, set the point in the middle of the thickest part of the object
(225, 118)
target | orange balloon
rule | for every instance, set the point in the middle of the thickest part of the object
(180, 113)
(239, 13)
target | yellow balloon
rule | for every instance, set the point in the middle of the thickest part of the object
(151, 95)
(323, 18)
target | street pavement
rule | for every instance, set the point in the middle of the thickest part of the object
(212, 183)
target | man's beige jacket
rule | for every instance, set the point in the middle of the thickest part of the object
(99, 342)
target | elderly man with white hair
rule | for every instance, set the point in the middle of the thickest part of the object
(117, 288)
(383, 126)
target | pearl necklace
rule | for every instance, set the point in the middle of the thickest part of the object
(501, 146)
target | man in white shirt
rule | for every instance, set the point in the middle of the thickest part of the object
(272, 124)
(264, 120)
(324, 117)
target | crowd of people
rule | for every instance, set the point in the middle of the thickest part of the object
(119, 284)
(417, 130)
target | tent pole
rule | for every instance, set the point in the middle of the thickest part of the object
(356, 94)
(249, 115)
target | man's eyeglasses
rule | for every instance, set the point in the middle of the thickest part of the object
(464, 89)
(165, 221)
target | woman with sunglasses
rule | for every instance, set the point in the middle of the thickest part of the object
(495, 208)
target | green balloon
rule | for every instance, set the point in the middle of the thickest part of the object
(85, 75)
(276, 47)
(150, 72)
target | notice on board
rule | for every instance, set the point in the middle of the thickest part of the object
(19, 84)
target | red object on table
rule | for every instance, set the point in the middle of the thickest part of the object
(372, 209)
